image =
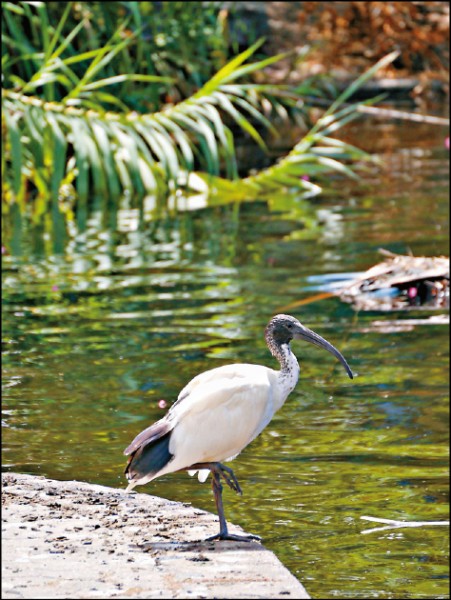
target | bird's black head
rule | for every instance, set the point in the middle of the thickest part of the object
(283, 328)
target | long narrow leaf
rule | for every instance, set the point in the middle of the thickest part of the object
(49, 49)
(82, 165)
(351, 89)
(227, 106)
(128, 153)
(59, 148)
(104, 145)
(16, 149)
(224, 135)
(228, 69)
(180, 137)
(256, 66)
(161, 148)
(129, 77)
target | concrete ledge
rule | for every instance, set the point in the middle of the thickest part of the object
(67, 539)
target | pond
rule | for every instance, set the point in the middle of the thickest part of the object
(96, 337)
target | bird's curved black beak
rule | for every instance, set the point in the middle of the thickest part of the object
(303, 333)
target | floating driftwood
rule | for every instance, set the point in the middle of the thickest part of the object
(401, 282)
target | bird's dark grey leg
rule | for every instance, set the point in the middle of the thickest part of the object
(217, 492)
(219, 470)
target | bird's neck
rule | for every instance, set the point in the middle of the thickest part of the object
(289, 369)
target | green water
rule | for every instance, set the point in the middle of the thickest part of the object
(94, 338)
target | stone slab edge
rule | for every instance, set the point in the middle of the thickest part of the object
(69, 539)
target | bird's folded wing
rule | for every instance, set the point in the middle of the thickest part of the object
(218, 419)
(239, 373)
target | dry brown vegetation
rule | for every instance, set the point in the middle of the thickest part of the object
(347, 37)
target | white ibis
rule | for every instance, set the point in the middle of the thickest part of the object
(218, 414)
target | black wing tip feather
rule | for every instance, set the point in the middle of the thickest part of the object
(149, 458)
(148, 435)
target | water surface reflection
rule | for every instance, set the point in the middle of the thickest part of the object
(95, 338)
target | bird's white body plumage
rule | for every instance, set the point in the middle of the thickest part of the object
(219, 412)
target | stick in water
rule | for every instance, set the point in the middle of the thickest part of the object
(391, 524)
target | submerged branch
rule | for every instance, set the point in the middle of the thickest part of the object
(389, 113)
(386, 113)
(393, 524)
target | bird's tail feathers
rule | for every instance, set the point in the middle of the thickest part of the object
(130, 486)
(148, 459)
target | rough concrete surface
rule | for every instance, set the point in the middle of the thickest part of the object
(67, 539)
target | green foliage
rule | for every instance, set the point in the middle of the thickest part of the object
(183, 43)
(113, 153)
(315, 154)
(71, 141)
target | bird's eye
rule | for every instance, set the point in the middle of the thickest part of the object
(290, 325)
